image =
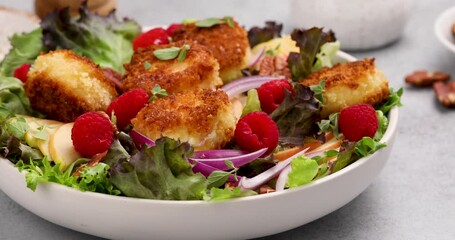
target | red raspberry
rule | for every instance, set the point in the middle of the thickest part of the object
(92, 133)
(271, 94)
(155, 36)
(256, 130)
(171, 29)
(21, 72)
(127, 106)
(358, 121)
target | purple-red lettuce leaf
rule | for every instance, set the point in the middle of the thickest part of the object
(159, 172)
(309, 42)
(297, 116)
(258, 35)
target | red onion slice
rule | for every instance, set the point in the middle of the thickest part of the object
(257, 57)
(246, 83)
(139, 139)
(238, 160)
(206, 170)
(257, 181)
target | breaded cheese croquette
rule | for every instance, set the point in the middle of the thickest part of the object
(350, 83)
(63, 85)
(204, 118)
(228, 44)
(199, 69)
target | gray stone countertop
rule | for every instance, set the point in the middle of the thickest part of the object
(413, 197)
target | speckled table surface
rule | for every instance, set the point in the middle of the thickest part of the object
(414, 196)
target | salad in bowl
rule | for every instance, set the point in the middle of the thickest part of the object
(187, 124)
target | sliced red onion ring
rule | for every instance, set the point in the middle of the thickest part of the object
(257, 57)
(257, 181)
(238, 161)
(139, 139)
(246, 83)
(224, 153)
(206, 170)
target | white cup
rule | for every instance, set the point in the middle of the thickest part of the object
(358, 24)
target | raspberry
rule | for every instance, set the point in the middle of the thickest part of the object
(21, 72)
(171, 29)
(271, 94)
(92, 133)
(155, 36)
(257, 130)
(127, 106)
(358, 121)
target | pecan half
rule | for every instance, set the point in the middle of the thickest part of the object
(421, 78)
(274, 66)
(453, 30)
(445, 93)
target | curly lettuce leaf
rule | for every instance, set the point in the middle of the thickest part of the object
(104, 39)
(309, 42)
(93, 179)
(297, 115)
(345, 156)
(25, 48)
(159, 172)
(258, 35)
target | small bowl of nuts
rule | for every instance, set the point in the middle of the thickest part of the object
(445, 28)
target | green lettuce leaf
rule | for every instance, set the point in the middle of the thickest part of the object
(13, 98)
(309, 42)
(367, 146)
(252, 103)
(383, 123)
(326, 55)
(159, 172)
(218, 194)
(393, 100)
(297, 115)
(104, 39)
(303, 171)
(25, 48)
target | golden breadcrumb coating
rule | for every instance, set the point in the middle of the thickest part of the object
(204, 118)
(228, 44)
(199, 69)
(350, 83)
(63, 85)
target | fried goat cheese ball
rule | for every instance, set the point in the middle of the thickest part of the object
(229, 45)
(199, 69)
(63, 85)
(350, 83)
(204, 118)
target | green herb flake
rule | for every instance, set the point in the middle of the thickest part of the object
(217, 179)
(229, 21)
(182, 53)
(167, 53)
(157, 91)
(209, 22)
(147, 65)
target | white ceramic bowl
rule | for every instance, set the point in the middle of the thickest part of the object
(443, 26)
(115, 217)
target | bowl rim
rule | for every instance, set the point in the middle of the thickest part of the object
(388, 135)
(442, 18)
